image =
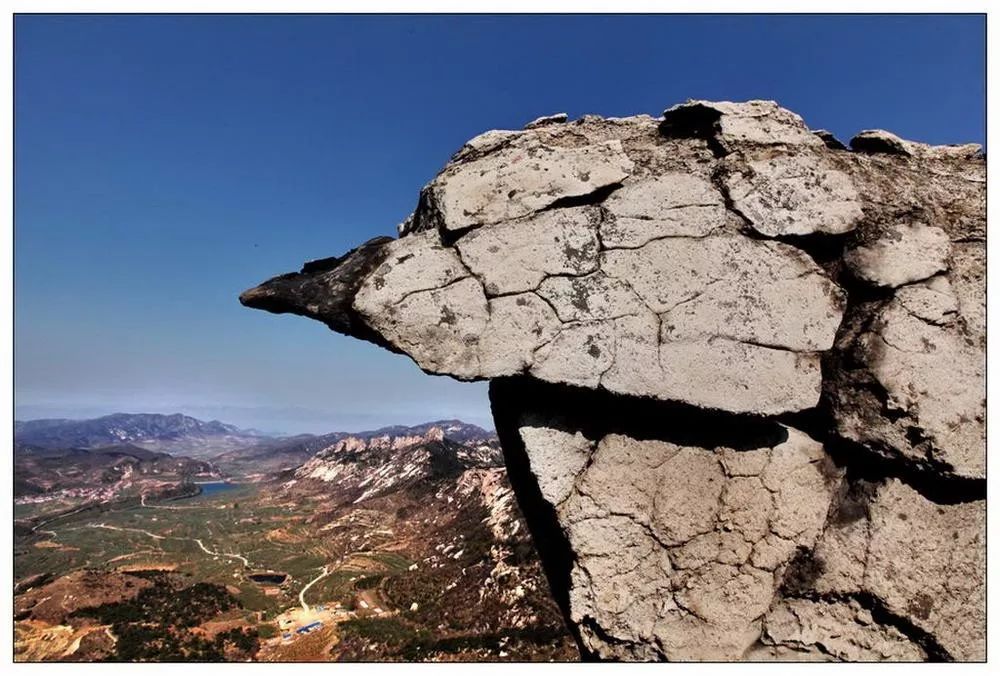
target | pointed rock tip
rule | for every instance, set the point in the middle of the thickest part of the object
(264, 296)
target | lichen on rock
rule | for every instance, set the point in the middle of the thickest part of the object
(737, 370)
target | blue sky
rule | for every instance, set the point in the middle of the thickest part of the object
(165, 163)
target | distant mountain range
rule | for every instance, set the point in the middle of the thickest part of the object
(102, 453)
(119, 428)
(236, 451)
(275, 454)
(454, 430)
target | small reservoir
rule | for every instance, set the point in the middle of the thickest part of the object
(210, 488)
(268, 577)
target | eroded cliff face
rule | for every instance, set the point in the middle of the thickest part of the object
(737, 370)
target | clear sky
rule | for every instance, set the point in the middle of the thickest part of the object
(165, 163)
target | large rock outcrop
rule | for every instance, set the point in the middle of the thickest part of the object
(736, 367)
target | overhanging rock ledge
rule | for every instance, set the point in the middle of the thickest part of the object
(737, 369)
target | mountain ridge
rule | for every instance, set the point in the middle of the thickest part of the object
(237, 451)
(118, 428)
(168, 425)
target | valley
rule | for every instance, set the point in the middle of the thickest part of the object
(397, 546)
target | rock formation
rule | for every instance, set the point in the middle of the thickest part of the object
(737, 370)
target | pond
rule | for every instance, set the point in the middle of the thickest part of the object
(267, 578)
(210, 488)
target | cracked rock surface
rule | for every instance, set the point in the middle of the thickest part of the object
(686, 562)
(737, 369)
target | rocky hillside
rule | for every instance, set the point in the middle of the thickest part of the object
(733, 362)
(477, 589)
(48, 470)
(366, 466)
(272, 455)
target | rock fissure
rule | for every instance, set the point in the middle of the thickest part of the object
(596, 197)
(622, 247)
(406, 296)
(880, 614)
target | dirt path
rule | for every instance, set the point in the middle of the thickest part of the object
(173, 537)
(302, 594)
(130, 530)
(228, 556)
(37, 528)
(142, 502)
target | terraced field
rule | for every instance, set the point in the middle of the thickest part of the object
(235, 523)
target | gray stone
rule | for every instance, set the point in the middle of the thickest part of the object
(831, 141)
(879, 141)
(919, 560)
(521, 177)
(760, 123)
(838, 630)
(794, 195)
(545, 120)
(557, 242)
(518, 325)
(439, 328)
(590, 297)
(666, 566)
(902, 253)
(932, 383)
(669, 205)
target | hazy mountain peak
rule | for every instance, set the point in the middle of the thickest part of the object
(121, 428)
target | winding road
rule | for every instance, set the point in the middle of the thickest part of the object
(173, 537)
(142, 501)
(38, 528)
(302, 594)
(209, 551)
(130, 530)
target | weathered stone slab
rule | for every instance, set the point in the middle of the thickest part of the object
(900, 254)
(518, 255)
(522, 177)
(798, 194)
